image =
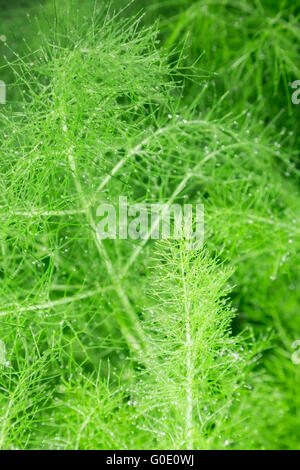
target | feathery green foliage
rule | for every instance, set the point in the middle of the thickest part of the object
(123, 344)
